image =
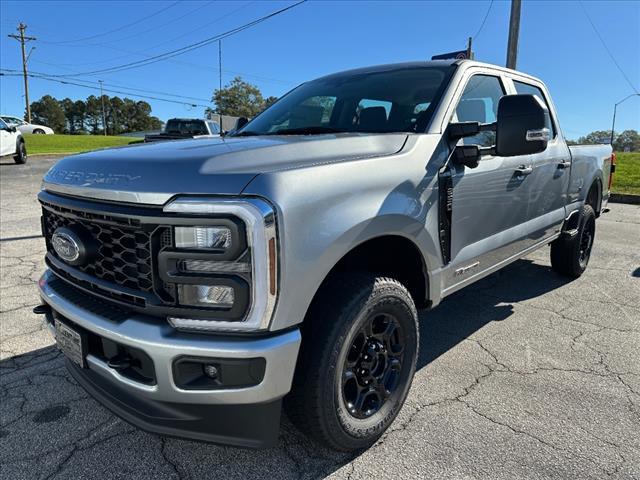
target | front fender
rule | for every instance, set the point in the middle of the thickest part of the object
(326, 211)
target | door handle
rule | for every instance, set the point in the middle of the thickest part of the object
(522, 170)
(564, 164)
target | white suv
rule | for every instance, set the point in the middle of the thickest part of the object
(12, 143)
(25, 127)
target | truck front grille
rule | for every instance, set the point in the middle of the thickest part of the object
(124, 252)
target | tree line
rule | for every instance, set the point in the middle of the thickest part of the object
(122, 115)
(626, 141)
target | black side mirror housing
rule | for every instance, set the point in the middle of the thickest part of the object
(521, 126)
(241, 122)
(467, 155)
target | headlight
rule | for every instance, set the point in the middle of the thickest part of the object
(203, 237)
(206, 295)
(225, 265)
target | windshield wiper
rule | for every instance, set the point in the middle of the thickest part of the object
(246, 133)
(306, 131)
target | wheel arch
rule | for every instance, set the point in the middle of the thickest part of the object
(594, 195)
(407, 264)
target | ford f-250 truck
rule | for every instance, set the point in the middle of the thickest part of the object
(195, 285)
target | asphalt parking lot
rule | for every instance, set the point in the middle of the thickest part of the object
(523, 375)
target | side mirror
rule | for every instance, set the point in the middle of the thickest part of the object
(467, 155)
(241, 122)
(521, 126)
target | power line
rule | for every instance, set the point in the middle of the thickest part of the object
(633, 87)
(172, 21)
(128, 87)
(67, 82)
(119, 28)
(486, 15)
(187, 48)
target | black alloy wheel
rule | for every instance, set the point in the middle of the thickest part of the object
(372, 368)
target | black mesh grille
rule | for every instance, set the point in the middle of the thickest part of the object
(124, 252)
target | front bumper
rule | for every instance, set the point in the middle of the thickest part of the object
(246, 416)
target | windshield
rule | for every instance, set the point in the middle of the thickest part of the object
(190, 127)
(398, 100)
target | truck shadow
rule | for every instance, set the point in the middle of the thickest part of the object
(488, 300)
(50, 426)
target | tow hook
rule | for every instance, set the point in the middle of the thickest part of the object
(120, 362)
(41, 309)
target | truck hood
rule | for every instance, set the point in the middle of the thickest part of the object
(152, 173)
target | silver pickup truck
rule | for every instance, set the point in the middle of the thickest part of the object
(195, 286)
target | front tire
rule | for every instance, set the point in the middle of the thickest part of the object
(38, 131)
(21, 154)
(570, 254)
(358, 358)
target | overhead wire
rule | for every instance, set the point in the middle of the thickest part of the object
(121, 92)
(122, 27)
(486, 15)
(604, 44)
(187, 48)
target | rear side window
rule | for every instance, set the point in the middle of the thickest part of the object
(527, 89)
(479, 103)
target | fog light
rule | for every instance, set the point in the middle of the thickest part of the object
(210, 370)
(203, 237)
(206, 295)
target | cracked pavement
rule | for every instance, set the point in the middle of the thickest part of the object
(522, 375)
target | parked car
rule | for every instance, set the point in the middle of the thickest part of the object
(194, 285)
(184, 128)
(12, 143)
(24, 127)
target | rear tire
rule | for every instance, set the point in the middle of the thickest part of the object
(38, 131)
(570, 254)
(21, 154)
(358, 358)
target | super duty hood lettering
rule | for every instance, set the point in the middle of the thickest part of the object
(153, 173)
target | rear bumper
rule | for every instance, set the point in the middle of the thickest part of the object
(246, 416)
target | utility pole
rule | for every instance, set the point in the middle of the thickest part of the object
(104, 118)
(514, 33)
(615, 108)
(219, 79)
(23, 39)
(469, 52)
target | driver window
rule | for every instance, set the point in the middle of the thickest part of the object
(479, 103)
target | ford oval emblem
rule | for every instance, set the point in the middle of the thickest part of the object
(67, 245)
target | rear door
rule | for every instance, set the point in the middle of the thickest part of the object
(549, 180)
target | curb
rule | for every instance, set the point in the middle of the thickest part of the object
(625, 198)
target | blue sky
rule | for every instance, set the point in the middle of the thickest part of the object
(557, 44)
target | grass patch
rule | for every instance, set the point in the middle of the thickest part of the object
(627, 176)
(38, 144)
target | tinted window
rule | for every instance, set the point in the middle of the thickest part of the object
(382, 101)
(192, 127)
(479, 103)
(526, 89)
(2, 124)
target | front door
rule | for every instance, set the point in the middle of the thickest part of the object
(489, 203)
